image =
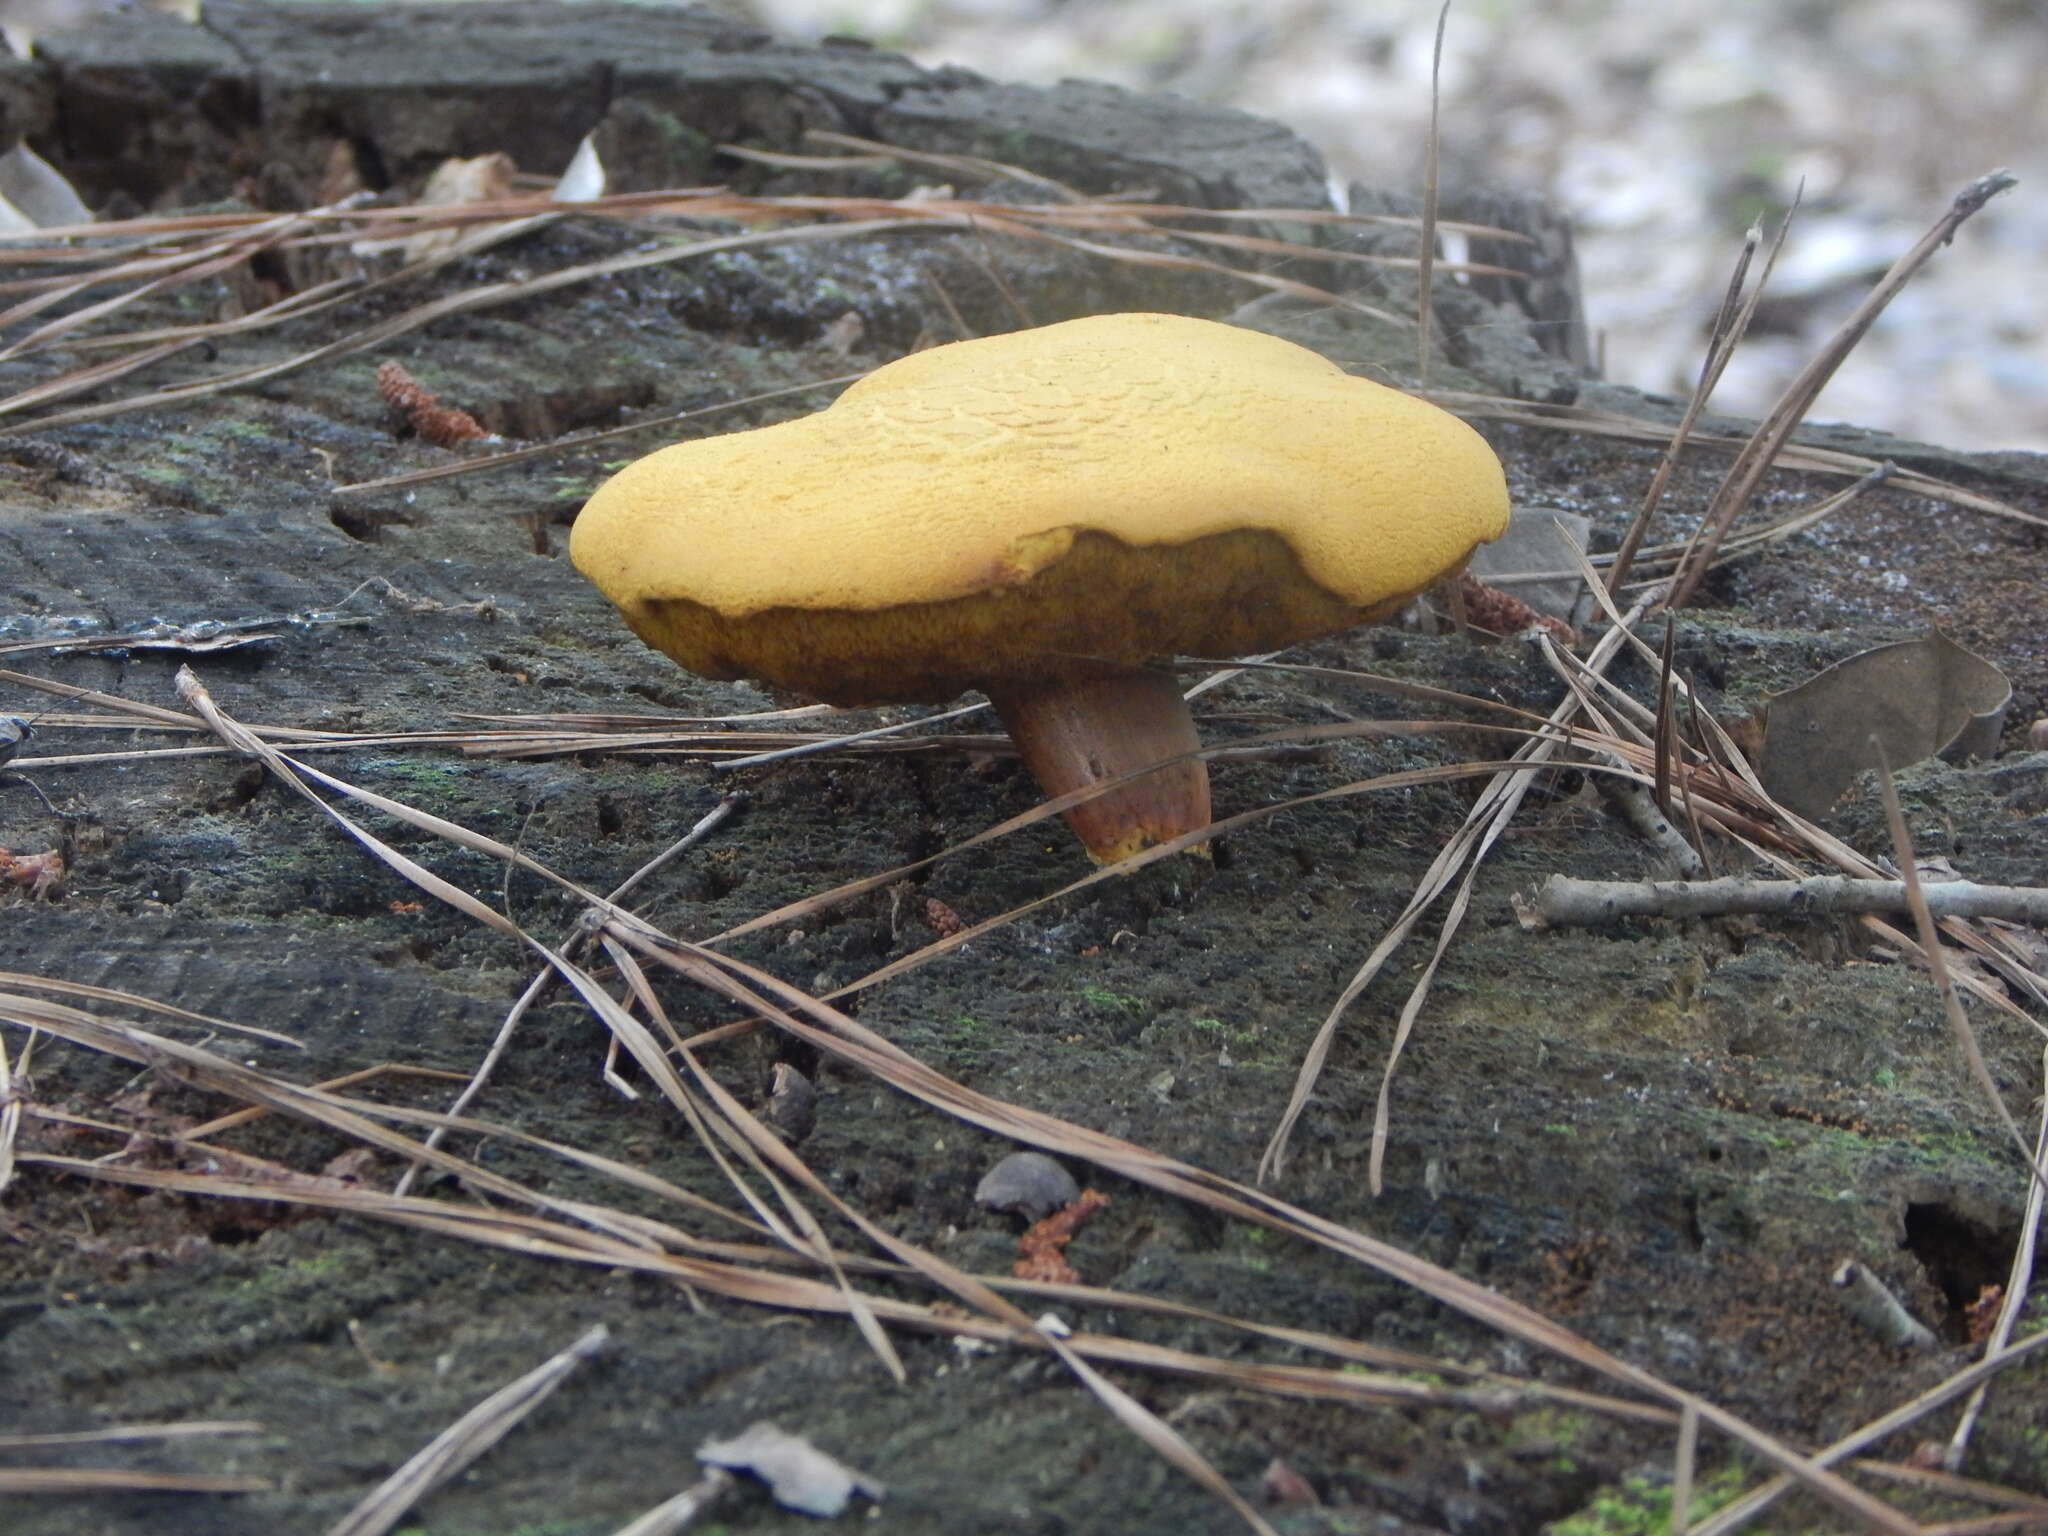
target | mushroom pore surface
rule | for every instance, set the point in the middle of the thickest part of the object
(1118, 488)
(1225, 595)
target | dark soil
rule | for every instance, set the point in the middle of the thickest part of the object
(1665, 1136)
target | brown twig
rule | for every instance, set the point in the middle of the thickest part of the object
(18, 1480)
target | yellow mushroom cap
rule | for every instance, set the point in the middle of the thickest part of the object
(1120, 487)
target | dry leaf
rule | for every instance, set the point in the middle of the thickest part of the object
(1920, 699)
(484, 179)
(843, 335)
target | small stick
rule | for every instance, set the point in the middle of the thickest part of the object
(124, 1480)
(960, 325)
(1876, 1308)
(255, 1112)
(14, 732)
(1949, 1485)
(706, 825)
(1425, 270)
(11, 1099)
(463, 1441)
(1564, 902)
(987, 263)
(1694, 734)
(681, 1512)
(121, 1434)
(1638, 807)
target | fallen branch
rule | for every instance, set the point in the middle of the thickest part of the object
(1563, 902)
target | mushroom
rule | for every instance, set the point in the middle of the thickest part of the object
(1043, 516)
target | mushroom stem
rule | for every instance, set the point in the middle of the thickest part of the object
(1101, 723)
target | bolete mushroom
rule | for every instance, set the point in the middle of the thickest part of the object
(1042, 516)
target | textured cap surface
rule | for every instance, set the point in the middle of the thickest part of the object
(977, 469)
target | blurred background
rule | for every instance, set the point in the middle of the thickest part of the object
(1662, 130)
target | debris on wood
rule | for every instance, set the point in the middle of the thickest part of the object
(39, 874)
(1041, 1248)
(798, 1474)
(443, 426)
(1029, 1183)
(792, 1107)
(943, 920)
(1502, 613)
(1286, 1488)
(1872, 1304)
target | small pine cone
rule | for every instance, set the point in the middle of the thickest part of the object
(943, 919)
(1502, 613)
(439, 424)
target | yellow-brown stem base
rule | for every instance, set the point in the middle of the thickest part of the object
(1100, 723)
